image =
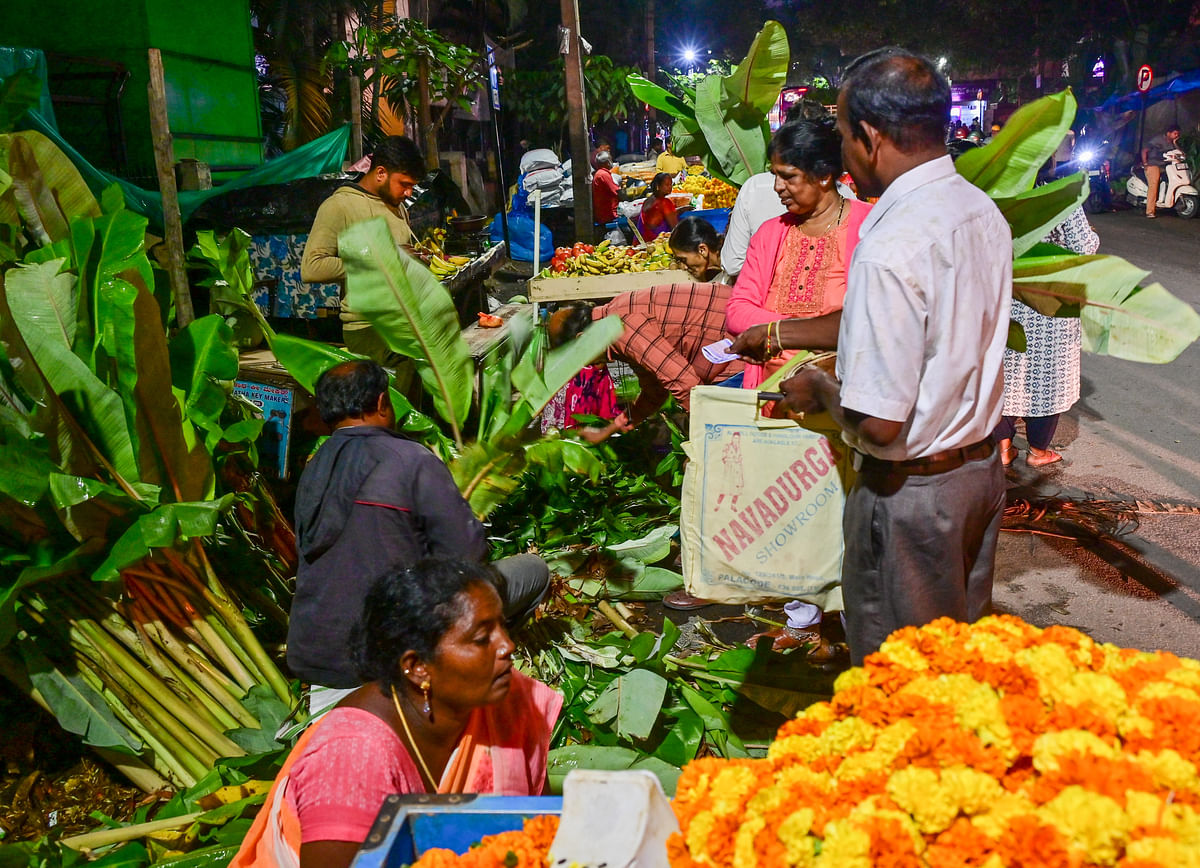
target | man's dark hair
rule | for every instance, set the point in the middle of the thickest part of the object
(657, 144)
(805, 109)
(577, 318)
(813, 147)
(899, 93)
(400, 154)
(411, 610)
(350, 390)
(1174, 128)
(690, 232)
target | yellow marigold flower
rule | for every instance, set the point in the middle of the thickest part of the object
(822, 711)
(1131, 723)
(855, 677)
(989, 647)
(1164, 851)
(1148, 811)
(697, 835)
(1187, 676)
(1101, 691)
(845, 846)
(767, 799)
(1094, 822)
(744, 854)
(889, 742)
(870, 809)
(918, 791)
(1170, 770)
(730, 789)
(900, 653)
(804, 748)
(1047, 748)
(1167, 690)
(843, 735)
(1049, 664)
(793, 832)
(994, 823)
(945, 689)
(801, 775)
(973, 791)
(979, 711)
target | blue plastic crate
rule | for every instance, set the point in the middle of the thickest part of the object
(718, 217)
(407, 826)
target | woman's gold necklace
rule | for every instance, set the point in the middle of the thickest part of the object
(413, 741)
(838, 220)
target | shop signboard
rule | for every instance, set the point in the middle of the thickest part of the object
(277, 404)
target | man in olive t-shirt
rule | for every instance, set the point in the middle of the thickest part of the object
(1154, 162)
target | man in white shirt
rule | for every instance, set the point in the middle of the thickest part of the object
(919, 384)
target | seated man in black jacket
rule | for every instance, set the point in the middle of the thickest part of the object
(369, 502)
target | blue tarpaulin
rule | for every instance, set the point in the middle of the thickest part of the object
(1168, 90)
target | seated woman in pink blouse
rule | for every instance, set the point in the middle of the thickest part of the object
(789, 293)
(442, 710)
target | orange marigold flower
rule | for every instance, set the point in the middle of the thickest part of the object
(963, 845)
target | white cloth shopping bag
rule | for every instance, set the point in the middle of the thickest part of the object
(761, 515)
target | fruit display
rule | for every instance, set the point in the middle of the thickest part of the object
(447, 267)
(716, 193)
(432, 242)
(584, 260)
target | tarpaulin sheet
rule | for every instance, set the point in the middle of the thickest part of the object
(318, 157)
(33, 59)
(1183, 83)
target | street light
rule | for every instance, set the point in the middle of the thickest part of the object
(942, 62)
(689, 55)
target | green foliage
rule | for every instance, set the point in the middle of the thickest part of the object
(724, 119)
(537, 98)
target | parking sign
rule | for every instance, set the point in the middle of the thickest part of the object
(1145, 75)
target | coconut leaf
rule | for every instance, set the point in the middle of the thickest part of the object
(1032, 214)
(413, 313)
(42, 303)
(735, 135)
(1009, 165)
(1119, 317)
(759, 78)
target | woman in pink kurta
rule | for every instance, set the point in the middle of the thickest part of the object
(443, 710)
(789, 293)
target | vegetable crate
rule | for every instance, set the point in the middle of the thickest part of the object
(602, 286)
(407, 826)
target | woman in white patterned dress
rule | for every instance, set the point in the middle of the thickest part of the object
(1042, 383)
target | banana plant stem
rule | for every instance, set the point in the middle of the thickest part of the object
(245, 637)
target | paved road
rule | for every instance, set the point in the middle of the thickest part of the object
(1135, 434)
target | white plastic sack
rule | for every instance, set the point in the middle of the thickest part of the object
(761, 515)
(538, 158)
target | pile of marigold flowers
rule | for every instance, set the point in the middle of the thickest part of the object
(993, 744)
(527, 848)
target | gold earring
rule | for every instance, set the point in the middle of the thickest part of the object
(425, 685)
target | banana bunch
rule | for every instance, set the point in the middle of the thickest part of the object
(586, 261)
(695, 170)
(448, 267)
(433, 242)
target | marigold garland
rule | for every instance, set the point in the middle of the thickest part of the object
(990, 745)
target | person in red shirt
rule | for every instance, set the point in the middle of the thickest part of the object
(604, 190)
(658, 211)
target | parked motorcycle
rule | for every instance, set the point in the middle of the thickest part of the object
(1091, 157)
(1175, 188)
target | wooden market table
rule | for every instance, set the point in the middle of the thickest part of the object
(601, 286)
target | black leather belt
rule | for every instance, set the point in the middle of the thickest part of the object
(929, 465)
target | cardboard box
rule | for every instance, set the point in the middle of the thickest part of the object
(601, 285)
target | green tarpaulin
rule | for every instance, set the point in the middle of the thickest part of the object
(318, 157)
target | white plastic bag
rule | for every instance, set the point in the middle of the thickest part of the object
(761, 515)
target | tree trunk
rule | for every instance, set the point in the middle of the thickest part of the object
(581, 163)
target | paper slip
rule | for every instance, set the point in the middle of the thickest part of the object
(718, 353)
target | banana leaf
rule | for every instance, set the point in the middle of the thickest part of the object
(19, 92)
(1032, 214)
(164, 527)
(88, 507)
(25, 464)
(77, 707)
(631, 702)
(758, 79)
(204, 365)
(44, 568)
(561, 364)
(687, 140)
(737, 136)
(642, 583)
(10, 221)
(413, 313)
(42, 303)
(486, 475)
(47, 188)
(306, 360)
(1009, 165)
(658, 97)
(561, 761)
(561, 458)
(1119, 317)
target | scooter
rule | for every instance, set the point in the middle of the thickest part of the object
(1175, 188)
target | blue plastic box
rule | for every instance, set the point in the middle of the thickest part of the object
(407, 826)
